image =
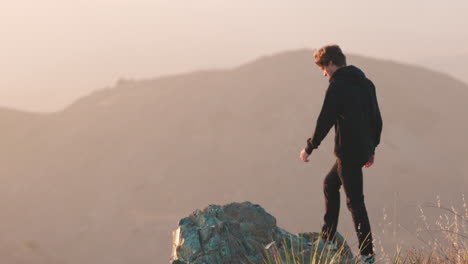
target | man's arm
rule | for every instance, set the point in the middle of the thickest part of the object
(326, 119)
(377, 119)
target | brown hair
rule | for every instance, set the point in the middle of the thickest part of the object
(328, 53)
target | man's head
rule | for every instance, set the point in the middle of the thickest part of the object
(329, 58)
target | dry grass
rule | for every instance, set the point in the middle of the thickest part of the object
(444, 240)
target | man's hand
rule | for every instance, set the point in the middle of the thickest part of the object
(304, 156)
(370, 162)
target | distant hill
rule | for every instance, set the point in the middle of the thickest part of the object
(107, 179)
(454, 65)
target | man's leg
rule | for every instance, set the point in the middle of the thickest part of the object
(331, 190)
(352, 180)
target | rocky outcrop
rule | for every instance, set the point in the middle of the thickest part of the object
(244, 233)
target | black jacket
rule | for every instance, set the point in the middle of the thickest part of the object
(351, 105)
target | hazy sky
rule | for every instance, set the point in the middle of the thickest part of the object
(54, 51)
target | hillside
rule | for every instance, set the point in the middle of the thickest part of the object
(453, 65)
(107, 179)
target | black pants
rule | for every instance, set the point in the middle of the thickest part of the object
(349, 175)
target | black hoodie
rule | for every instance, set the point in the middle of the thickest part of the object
(351, 105)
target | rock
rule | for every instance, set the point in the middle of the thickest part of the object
(239, 233)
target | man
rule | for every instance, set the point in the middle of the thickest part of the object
(350, 105)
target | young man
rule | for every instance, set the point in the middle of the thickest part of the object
(351, 106)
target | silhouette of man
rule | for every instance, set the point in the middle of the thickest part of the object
(351, 106)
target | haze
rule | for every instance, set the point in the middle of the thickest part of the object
(54, 52)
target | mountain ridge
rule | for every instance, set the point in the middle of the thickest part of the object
(110, 176)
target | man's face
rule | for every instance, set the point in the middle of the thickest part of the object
(328, 70)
